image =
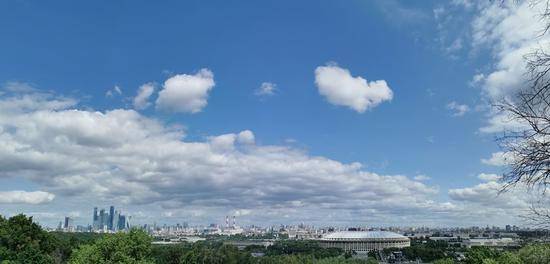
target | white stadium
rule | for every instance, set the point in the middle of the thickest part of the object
(364, 241)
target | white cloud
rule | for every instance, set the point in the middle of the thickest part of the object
(500, 122)
(458, 109)
(186, 93)
(510, 30)
(114, 91)
(339, 87)
(23, 197)
(499, 158)
(16, 102)
(487, 196)
(488, 177)
(242, 212)
(246, 137)
(223, 142)
(141, 101)
(266, 89)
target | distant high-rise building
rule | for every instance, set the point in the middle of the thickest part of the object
(122, 222)
(95, 222)
(111, 217)
(116, 219)
(111, 220)
(102, 218)
(68, 223)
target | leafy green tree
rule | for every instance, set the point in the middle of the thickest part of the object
(535, 254)
(371, 260)
(205, 252)
(290, 247)
(131, 247)
(67, 242)
(476, 255)
(509, 258)
(23, 241)
(426, 250)
(341, 260)
(288, 259)
(170, 254)
(444, 261)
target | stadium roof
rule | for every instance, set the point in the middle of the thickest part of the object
(362, 235)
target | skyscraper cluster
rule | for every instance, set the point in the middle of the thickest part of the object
(109, 220)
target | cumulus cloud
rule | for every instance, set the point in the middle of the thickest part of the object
(23, 197)
(246, 137)
(339, 87)
(266, 89)
(458, 109)
(486, 195)
(123, 156)
(186, 93)
(141, 101)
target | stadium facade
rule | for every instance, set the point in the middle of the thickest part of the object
(364, 241)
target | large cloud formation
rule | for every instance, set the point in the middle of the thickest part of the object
(339, 87)
(121, 155)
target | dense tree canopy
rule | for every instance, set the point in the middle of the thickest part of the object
(131, 247)
(23, 241)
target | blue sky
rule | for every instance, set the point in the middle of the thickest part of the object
(428, 53)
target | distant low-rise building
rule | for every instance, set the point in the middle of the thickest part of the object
(490, 242)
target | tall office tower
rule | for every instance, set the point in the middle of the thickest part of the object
(111, 217)
(95, 222)
(102, 219)
(122, 222)
(128, 223)
(66, 225)
(115, 221)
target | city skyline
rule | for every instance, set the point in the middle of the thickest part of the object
(334, 113)
(229, 221)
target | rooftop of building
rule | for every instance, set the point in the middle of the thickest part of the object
(363, 235)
